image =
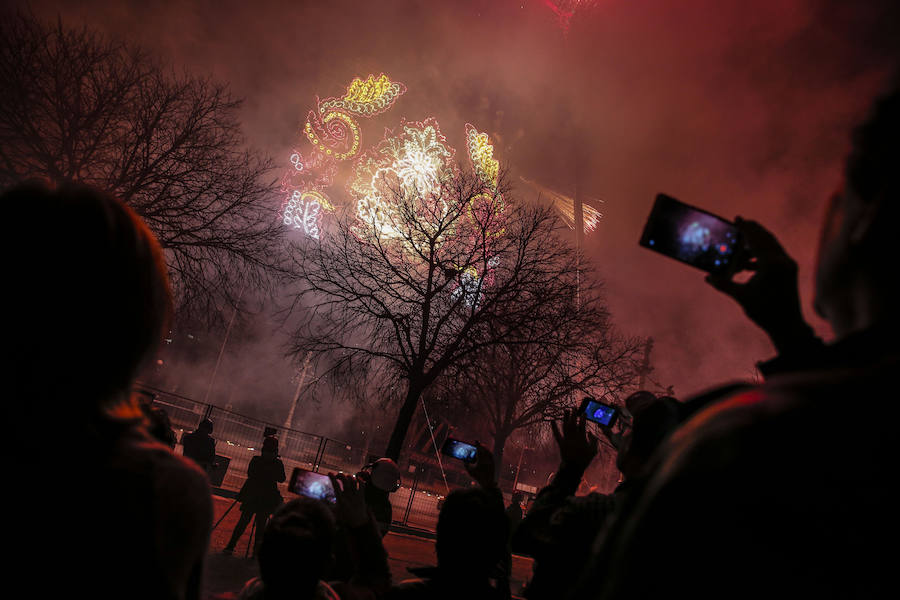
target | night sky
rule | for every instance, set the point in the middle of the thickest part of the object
(743, 108)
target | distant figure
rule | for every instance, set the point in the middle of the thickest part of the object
(200, 446)
(89, 300)
(259, 496)
(514, 511)
(160, 427)
(157, 419)
(382, 478)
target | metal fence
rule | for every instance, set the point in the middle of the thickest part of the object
(238, 439)
(416, 504)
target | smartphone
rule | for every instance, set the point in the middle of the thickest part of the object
(691, 235)
(461, 450)
(604, 414)
(312, 485)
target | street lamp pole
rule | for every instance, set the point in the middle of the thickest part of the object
(519, 466)
(212, 379)
(288, 423)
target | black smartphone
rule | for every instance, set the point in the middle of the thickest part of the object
(691, 235)
(604, 414)
(312, 485)
(461, 450)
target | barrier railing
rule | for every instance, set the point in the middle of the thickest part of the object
(238, 438)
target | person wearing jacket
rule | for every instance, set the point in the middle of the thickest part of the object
(259, 496)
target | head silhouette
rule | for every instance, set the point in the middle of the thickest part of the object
(270, 446)
(296, 549)
(858, 253)
(654, 418)
(472, 530)
(91, 295)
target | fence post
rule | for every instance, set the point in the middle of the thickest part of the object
(320, 454)
(412, 494)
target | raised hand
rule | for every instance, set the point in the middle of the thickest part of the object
(483, 469)
(770, 297)
(576, 446)
(350, 504)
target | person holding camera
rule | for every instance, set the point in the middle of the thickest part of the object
(297, 549)
(767, 492)
(259, 496)
(471, 544)
(382, 478)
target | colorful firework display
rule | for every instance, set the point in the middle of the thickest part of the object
(408, 167)
(565, 205)
(413, 163)
(486, 209)
(334, 133)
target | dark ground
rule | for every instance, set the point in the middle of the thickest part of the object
(225, 575)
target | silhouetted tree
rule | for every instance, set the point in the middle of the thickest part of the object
(426, 281)
(570, 350)
(78, 107)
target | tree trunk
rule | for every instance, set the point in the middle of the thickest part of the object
(404, 418)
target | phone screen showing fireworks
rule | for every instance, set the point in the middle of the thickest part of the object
(461, 450)
(598, 412)
(691, 235)
(312, 485)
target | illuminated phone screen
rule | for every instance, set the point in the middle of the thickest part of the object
(690, 235)
(600, 413)
(461, 450)
(312, 485)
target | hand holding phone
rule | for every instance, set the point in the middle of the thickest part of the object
(468, 453)
(577, 447)
(691, 235)
(598, 412)
(770, 297)
(351, 507)
(312, 485)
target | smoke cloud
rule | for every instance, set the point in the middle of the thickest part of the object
(740, 108)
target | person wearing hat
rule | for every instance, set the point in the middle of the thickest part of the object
(259, 496)
(200, 446)
(382, 478)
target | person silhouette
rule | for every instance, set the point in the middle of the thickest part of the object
(771, 491)
(259, 496)
(89, 306)
(200, 446)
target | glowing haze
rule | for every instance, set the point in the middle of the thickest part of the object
(740, 108)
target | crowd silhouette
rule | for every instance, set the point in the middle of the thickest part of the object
(772, 490)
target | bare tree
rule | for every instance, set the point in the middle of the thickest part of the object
(77, 107)
(425, 280)
(571, 350)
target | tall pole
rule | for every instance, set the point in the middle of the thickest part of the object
(289, 422)
(579, 195)
(519, 466)
(578, 208)
(212, 379)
